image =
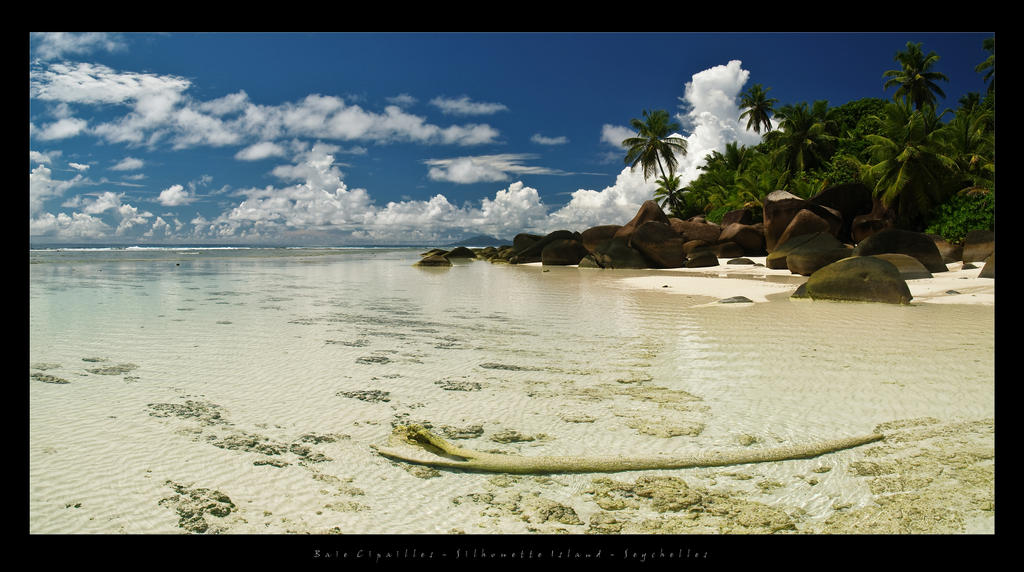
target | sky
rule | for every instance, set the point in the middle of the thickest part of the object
(335, 139)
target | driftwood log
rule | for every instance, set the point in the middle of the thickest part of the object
(409, 442)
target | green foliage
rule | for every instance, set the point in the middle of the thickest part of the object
(914, 82)
(854, 122)
(932, 173)
(758, 108)
(654, 143)
(805, 139)
(910, 169)
(715, 215)
(964, 212)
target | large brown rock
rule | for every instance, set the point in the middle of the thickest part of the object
(850, 200)
(532, 252)
(741, 216)
(728, 250)
(910, 268)
(978, 245)
(989, 269)
(749, 237)
(691, 245)
(617, 253)
(880, 218)
(779, 209)
(563, 252)
(649, 211)
(434, 260)
(817, 242)
(701, 258)
(524, 240)
(660, 244)
(460, 252)
(804, 222)
(950, 252)
(898, 241)
(693, 230)
(594, 236)
(857, 279)
(807, 261)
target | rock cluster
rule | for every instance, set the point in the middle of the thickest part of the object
(805, 236)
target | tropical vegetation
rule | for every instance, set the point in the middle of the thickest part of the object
(935, 169)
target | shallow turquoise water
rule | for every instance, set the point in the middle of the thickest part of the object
(286, 343)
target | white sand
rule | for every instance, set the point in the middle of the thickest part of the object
(758, 282)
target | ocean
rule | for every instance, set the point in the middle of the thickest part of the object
(241, 391)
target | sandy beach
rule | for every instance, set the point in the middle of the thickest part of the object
(246, 398)
(756, 282)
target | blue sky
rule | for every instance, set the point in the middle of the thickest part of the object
(335, 139)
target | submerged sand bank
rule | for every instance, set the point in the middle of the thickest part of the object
(248, 399)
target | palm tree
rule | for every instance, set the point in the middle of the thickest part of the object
(758, 107)
(908, 168)
(914, 81)
(971, 145)
(669, 194)
(655, 141)
(756, 182)
(989, 63)
(805, 139)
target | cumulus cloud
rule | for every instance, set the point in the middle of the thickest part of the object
(615, 134)
(615, 204)
(69, 227)
(38, 157)
(542, 140)
(465, 106)
(42, 187)
(175, 196)
(62, 129)
(55, 45)
(313, 196)
(88, 83)
(79, 166)
(712, 115)
(160, 109)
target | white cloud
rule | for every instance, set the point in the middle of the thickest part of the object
(130, 217)
(54, 45)
(62, 129)
(68, 227)
(41, 187)
(464, 106)
(160, 110)
(128, 164)
(402, 100)
(102, 203)
(616, 134)
(38, 157)
(616, 204)
(484, 168)
(542, 140)
(79, 166)
(88, 83)
(259, 151)
(712, 115)
(175, 196)
(231, 103)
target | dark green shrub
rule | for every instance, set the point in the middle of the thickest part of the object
(964, 212)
